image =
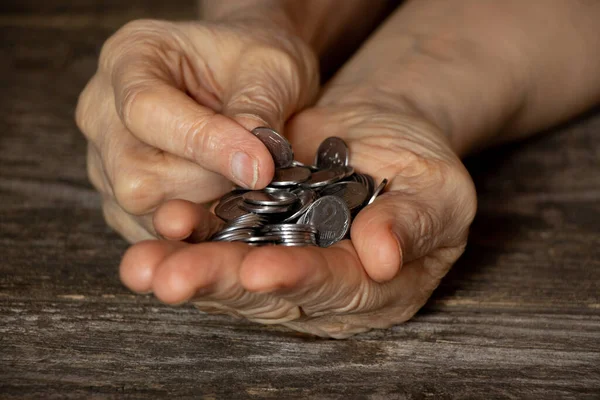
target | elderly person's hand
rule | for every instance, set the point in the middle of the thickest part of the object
(169, 111)
(434, 83)
(402, 244)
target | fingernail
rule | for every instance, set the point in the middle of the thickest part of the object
(244, 169)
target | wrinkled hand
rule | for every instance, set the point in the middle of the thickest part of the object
(400, 248)
(168, 112)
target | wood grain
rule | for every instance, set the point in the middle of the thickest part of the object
(517, 317)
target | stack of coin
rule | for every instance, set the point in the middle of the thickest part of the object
(303, 205)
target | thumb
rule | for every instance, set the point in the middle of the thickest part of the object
(270, 85)
(401, 227)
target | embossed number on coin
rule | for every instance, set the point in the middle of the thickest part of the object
(331, 216)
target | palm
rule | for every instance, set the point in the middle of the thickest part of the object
(354, 285)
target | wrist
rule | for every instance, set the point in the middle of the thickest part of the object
(272, 14)
(468, 93)
(332, 28)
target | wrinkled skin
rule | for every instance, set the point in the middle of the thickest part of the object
(170, 106)
(401, 245)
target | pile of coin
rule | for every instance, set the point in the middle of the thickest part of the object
(303, 205)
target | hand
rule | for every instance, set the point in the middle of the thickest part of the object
(402, 244)
(168, 112)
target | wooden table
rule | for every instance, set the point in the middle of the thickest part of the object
(518, 316)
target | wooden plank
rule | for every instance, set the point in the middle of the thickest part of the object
(518, 316)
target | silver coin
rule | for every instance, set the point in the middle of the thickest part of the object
(306, 197)
(289, 228)
(291, 235)
(248, 220)
(290, 176)
(242, 225)
(348, 171)
(296, 244)
(353, 193)
(258, 209)
(233, 235)
(325, 177)
(366, 180)
(378, 190)
(260, 240)
(270, 189)
(229, 229)
(278, 146)
(228, 209)
(331, 216)
(333, 152)
(261, 198)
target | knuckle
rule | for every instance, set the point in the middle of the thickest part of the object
(81, 113)
(128, 39)
(110, 215)
(85, 119)
(198, 140)
(137, 191)
(467, 203)
(271, 76)
(426, 226)
(134, 99)
(415, 166)
(95, 172)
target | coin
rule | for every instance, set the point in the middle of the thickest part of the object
(366, 180)
(378, 190)
(306, 197)
(262, 209)
(278, 146)
(281, 198)
(233, 235)
(325, 177)
(332, 152)
(353, 193)
(260, 240)
(290, 176)
(228, 209)
(289, 228)
(304, 205)
(331, 217)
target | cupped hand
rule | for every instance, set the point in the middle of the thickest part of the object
(400, 247)
(168, 113)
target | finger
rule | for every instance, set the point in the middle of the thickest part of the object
(143, 177)
(94, 105)
(207, 273)
(95, 170)
(181, 219)
(197, 270)
(319, 280)
(131, 228)
(308, 129)
(392, 303)
(397, 228)
(140, 261)
(163, 116)
(269, 86)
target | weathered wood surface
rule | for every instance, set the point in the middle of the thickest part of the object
(518, 316)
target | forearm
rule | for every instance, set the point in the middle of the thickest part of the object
(333, 28)
(485, 71)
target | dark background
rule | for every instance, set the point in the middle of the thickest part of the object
(518, 316)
